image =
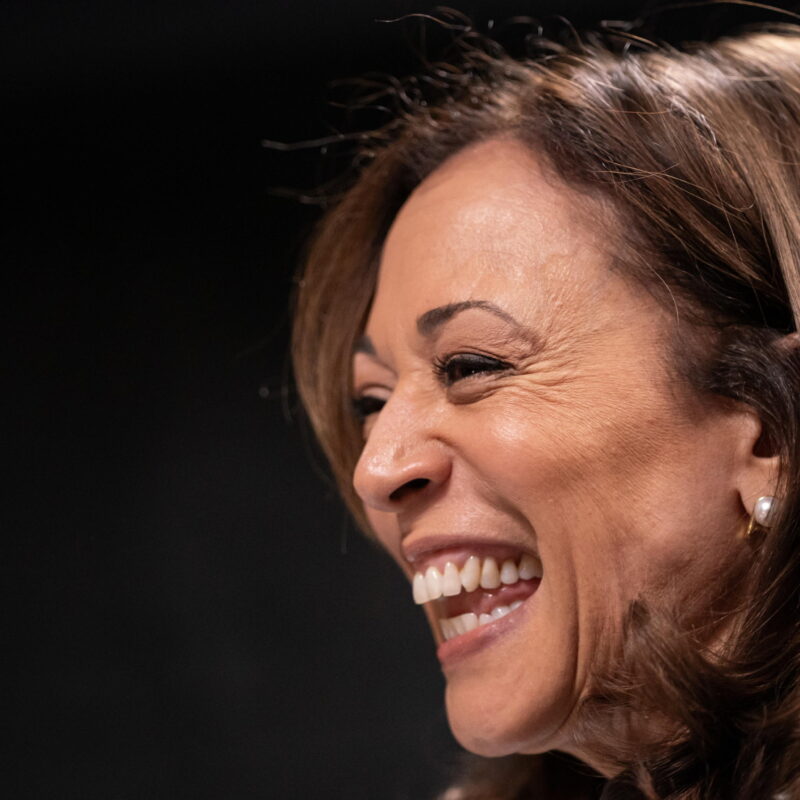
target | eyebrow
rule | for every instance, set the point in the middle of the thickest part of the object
(430, 322)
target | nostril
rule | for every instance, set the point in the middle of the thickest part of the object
(411, 486)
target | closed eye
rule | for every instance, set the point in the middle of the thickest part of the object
(458, 367)
(366, 405)
(449, 370)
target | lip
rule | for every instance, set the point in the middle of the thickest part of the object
(455, 650)
(436, 550)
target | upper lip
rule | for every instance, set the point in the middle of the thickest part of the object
(421, 550)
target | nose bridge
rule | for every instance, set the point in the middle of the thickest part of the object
(402, 456)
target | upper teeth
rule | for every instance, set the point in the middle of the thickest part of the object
(488, 575)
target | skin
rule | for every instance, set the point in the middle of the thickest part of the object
(581, 447)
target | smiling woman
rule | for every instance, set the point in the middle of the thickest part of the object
(548, 342)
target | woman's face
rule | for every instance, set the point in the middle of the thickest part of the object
(519, 408)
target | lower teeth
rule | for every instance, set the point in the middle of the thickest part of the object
(464, 623)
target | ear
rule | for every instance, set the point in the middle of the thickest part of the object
(757, 473)
(759, 465)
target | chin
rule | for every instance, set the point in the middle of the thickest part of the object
(497, 709)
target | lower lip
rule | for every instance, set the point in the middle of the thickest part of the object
(459, 647)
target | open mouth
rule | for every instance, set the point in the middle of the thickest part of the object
(479, 592)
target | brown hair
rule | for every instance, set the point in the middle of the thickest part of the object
(698, 152)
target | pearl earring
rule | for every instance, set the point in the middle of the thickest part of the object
(764, 512)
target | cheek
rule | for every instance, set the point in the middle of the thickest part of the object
(624, 500)
(544, 455)
(614, 487)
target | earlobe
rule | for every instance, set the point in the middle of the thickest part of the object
(758, 474)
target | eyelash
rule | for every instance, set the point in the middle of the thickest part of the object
(446, 368)
(470, 363)
(365, 405)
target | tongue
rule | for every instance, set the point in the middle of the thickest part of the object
(482, 601)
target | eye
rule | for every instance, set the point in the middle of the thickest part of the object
(456, 367)
(366, 405)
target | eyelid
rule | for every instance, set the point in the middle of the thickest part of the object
(368, 400)
(365, 405)
(480, 363)
(372, 388)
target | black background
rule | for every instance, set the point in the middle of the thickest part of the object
(190, 613)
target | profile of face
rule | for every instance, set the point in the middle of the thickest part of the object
(522, 424)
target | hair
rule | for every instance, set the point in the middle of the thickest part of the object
(697, 151)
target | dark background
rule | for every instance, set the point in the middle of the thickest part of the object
(191, 615)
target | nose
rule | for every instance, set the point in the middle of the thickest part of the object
(403, 461)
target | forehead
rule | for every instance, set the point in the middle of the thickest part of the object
(490, 223)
